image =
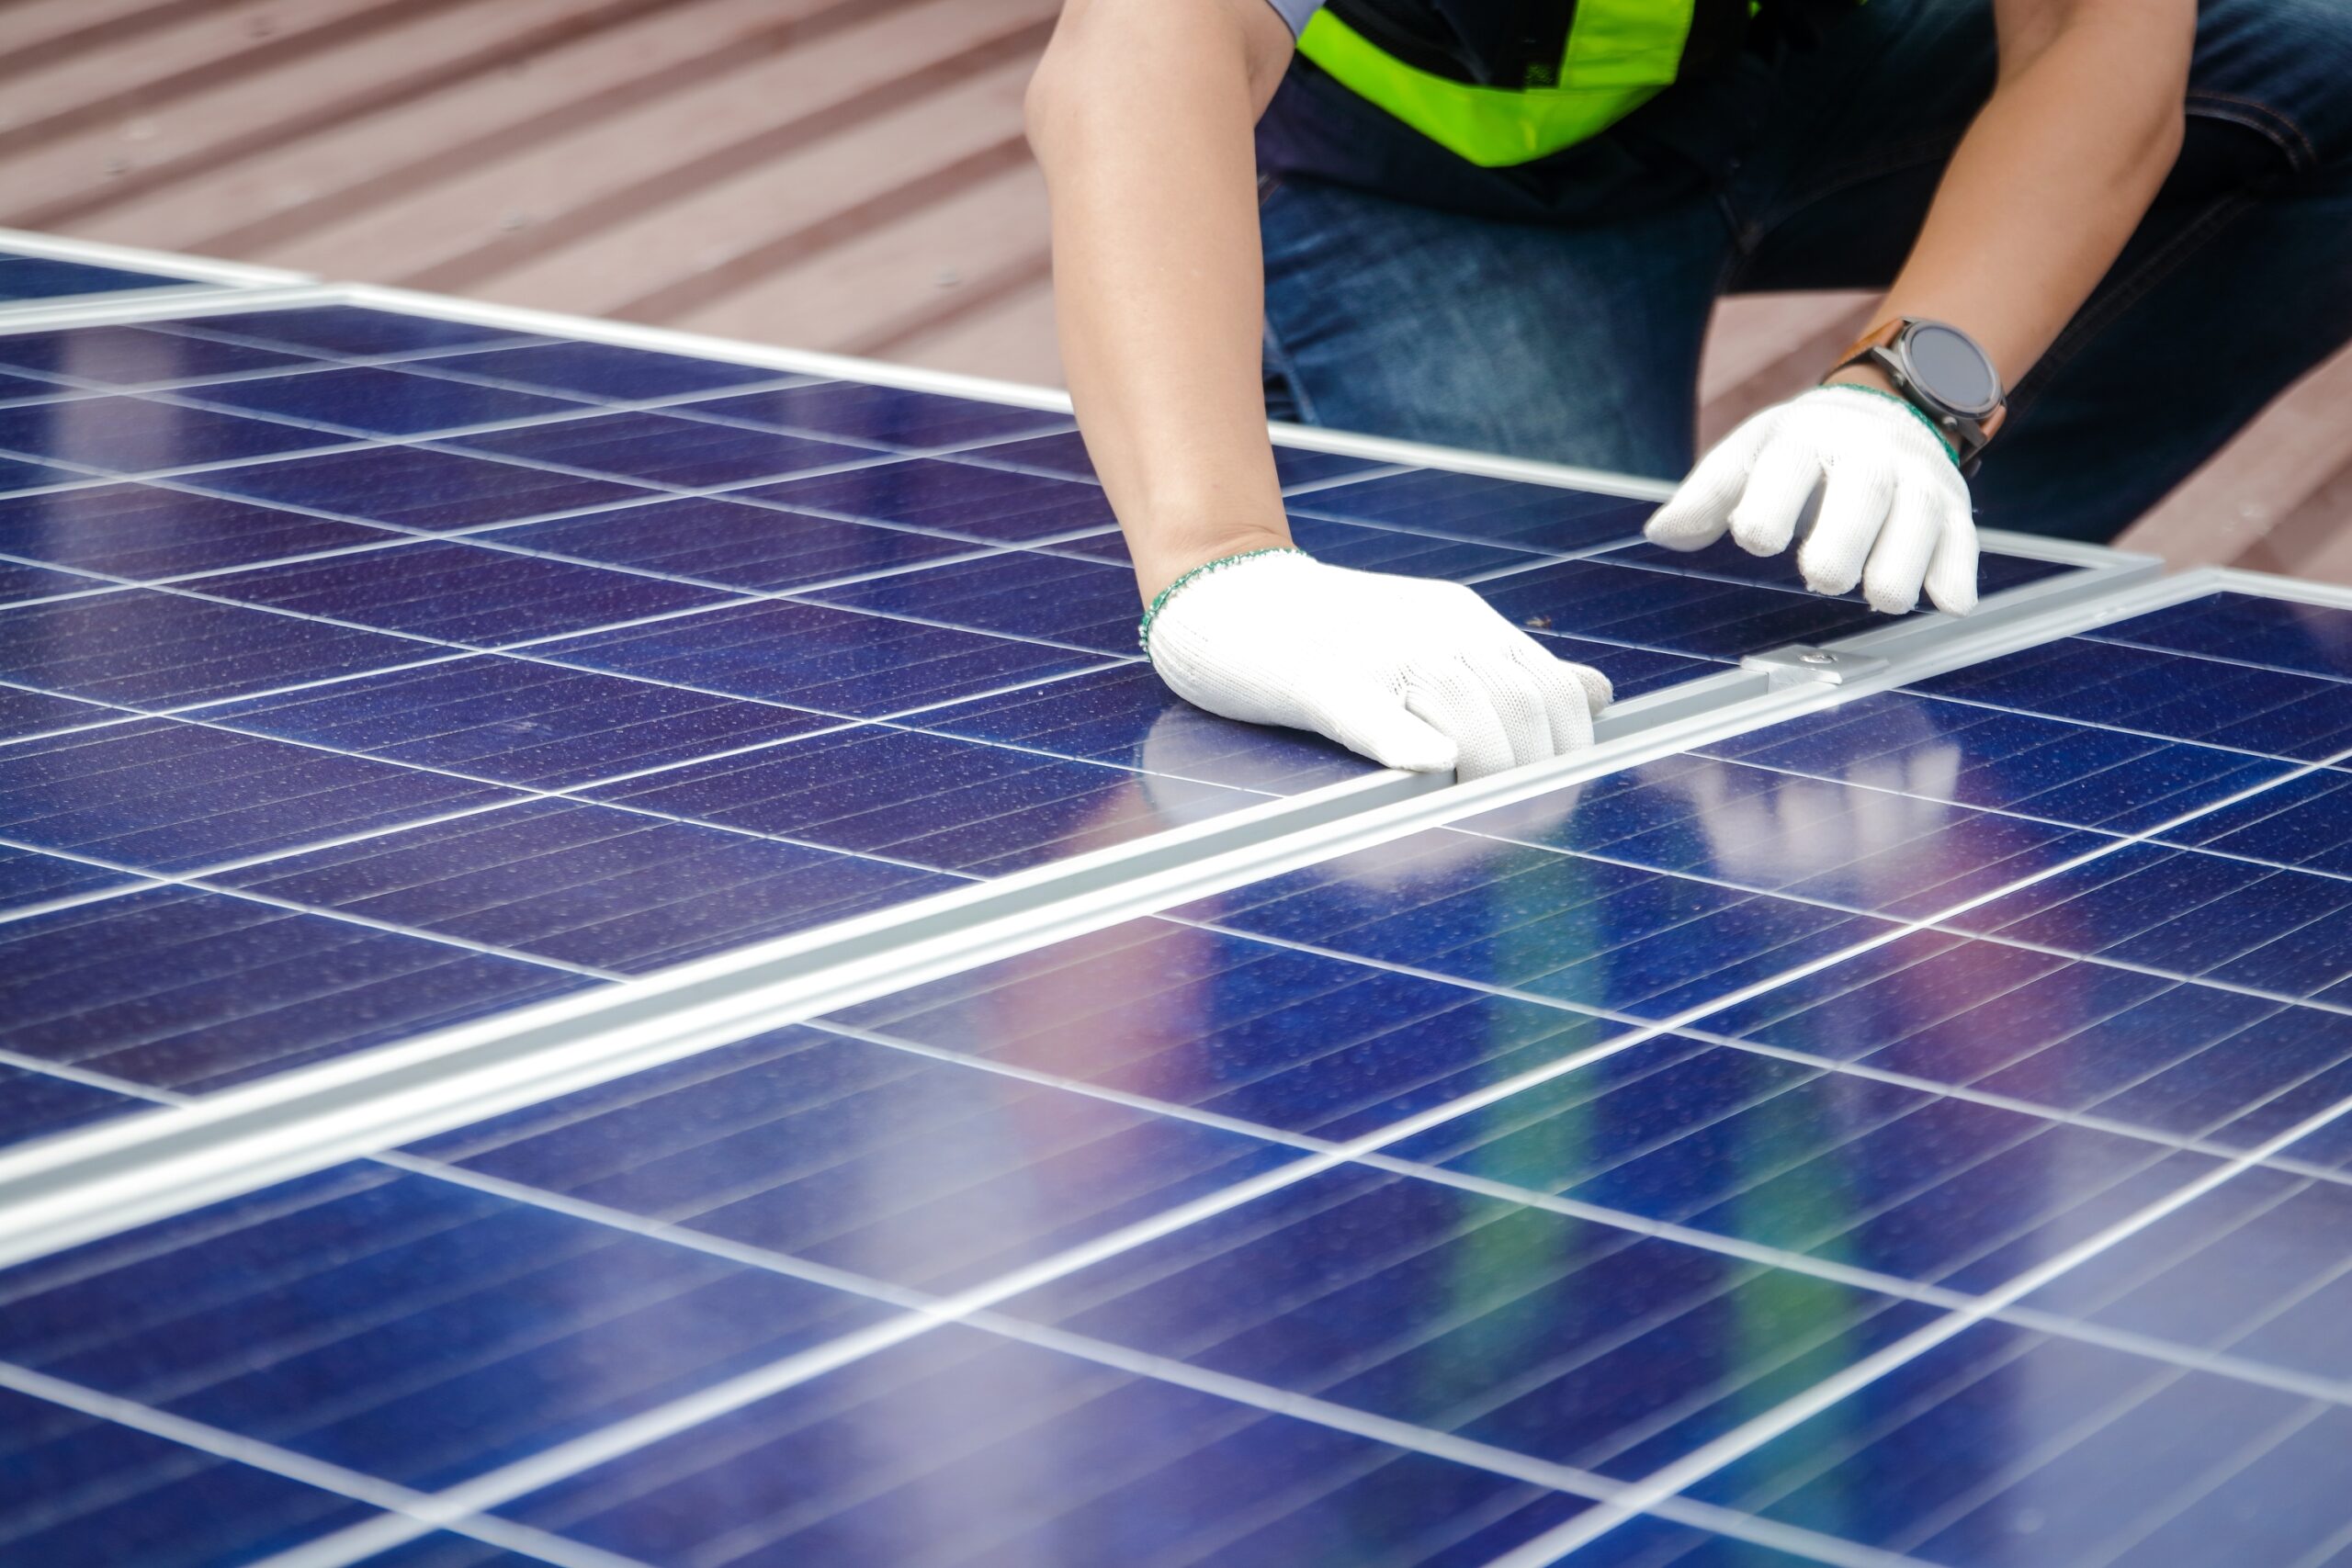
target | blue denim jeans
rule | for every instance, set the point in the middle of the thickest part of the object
(1580, 344)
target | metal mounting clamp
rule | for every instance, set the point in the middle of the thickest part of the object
(1801, 662)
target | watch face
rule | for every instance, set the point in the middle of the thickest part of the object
(1950, 369)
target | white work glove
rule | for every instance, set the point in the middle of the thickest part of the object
(1891, 496)
(1412, 673)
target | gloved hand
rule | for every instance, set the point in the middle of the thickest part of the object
(1412, 673)
(1890, 496)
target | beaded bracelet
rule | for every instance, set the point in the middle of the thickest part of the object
(1143, 627)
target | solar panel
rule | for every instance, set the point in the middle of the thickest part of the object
(1829, 1124)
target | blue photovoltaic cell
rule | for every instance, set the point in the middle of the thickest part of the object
(2254, 1270)
(732, 543)
(341, 330)
(1016, 594)
(600, 370)
(516, 722)
(1694, 615)
(142, 531)
(959, 1436)
(131, 356)
(2181, 1059)
(2181, 912)
(2304, 820)
(2249, 707)
(960, 500)
(29, 877)
(1547, 1335)
(1724, 559)
(585, 884)
(1845, 1169)
(160, 796)
(21, 389)
(2282, 633)
(1124, 714)
(375, 1361)
(376, 401)
(21, 584)
(657, 448)
(2026, 764)
(33, 1105)
(444, 1549)
(15, 474)
(861, 1158)
(926, 799)
(1298, 1042)
(1878, 850)
(459, 592)
(1065, 454)
(1632, 671)
(2000, 1437)
(130, 435)
(185, 989)
(416, 487)
(1556, 926)
(1489, 511)
(816, 657)
(26, 277)
(887, 416)
(89, 1494)
(39, 712)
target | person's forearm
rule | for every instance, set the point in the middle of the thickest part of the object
(2052, 178)
(1141, 115)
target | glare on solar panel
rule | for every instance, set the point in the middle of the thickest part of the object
(1648, 1167)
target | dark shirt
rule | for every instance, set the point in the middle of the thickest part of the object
(1672, 146)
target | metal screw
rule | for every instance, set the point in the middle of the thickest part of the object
(1817, 657)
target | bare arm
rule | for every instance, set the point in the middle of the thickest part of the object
(2056, 172)
(1141, 114)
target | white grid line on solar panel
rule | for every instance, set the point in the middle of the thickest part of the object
(1708, 1007)
(1168, 1370)
(318, 360)
(395, 1500)
(1672, 1480)
(2053, 1114)
(203, 876)
(1820, 1064)
(2121, 841)
(980, 453)
(475, 535)
(484, 536)
(867, 456)
(2241, 1369)
(521, 647)
(1991, 706)
(2095, 1421)
(2220, 1363)
(191, 587)
(2057, 723)
(1153, 1366)
(2207, 658)
(1383, 1138)
(576, 793)
(149, 881)
(569, 1459)
(872, 452)
(924, 1311)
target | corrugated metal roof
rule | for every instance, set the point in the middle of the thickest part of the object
(846, 174)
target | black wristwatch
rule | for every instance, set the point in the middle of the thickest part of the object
(1940, 371)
